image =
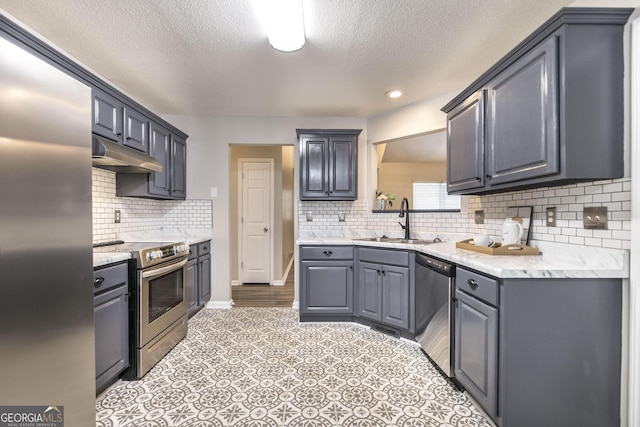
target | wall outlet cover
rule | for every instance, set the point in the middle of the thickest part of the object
(479, 217)
(116, 216)
(552, 217)
(595, 218)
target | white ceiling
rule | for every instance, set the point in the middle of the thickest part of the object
(211, 57)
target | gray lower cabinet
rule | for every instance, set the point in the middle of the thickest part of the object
(540, 352)
(549, 113)
(111, 320)
(198, 277)
(326, 282)
(192, 283)
(476, 347)
(384, 279)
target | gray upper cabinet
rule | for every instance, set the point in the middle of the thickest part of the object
(522, 133)
(553, 110)
(136, 130)
(160, 149)
(178, 167)
(107, 115)
(328, 164)
(465, 148)
(171, 151)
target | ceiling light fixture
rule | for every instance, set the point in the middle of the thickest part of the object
(395, 93)
(285, 23)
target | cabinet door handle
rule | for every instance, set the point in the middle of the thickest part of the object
(128, 138)
(119, 134)
(204, 248)
(472, 283)
(478, 179)
(489, 177)
(97, 282)
(351, 267)
(383, 272)
(266, 229)
(327, 252)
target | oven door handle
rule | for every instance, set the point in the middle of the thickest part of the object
(161, 271)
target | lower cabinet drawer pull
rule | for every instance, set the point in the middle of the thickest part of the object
(97, 282)
(472, 283)
(327, 252)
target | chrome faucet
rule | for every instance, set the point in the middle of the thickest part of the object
(404, 210)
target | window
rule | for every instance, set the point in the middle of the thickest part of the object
(433, 196)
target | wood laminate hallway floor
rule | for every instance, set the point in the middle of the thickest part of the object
(264, 295)
(262, 367)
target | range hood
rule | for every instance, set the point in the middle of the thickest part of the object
(115, 157)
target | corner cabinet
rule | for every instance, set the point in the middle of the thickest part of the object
(328, 164)
(384, 287)
(549, 113)
(326, 282)
(170, 149)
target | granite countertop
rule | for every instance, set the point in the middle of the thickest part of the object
(555, 261)
(100, 259)
(190, 236)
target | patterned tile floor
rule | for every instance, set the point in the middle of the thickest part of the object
(261, 367)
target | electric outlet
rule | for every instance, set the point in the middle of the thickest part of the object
(479, 217)
(116, 216)
(595, 218)
(552, 217)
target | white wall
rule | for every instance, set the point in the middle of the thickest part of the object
(208, 166)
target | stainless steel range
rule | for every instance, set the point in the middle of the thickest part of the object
(159, 311)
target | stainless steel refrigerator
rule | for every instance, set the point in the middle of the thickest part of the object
(47, 355)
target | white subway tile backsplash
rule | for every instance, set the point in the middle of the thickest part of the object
(141, 214)
(569, 200)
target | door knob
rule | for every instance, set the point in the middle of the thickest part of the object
(266, 229)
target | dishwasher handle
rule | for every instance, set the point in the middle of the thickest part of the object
(439, 266)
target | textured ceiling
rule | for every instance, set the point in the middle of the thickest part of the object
(212, 56)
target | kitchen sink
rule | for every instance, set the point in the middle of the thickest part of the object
(399, 240)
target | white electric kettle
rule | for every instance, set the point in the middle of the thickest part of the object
(512, 231)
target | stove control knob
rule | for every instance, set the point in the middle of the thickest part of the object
(155, 254)
(148, 256)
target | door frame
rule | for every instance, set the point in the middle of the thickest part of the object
(271, 162)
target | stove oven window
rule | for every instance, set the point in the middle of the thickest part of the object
(165, 292)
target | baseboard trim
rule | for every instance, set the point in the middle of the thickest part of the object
(278, 283)
(235, 283)
(295, 305)
(219, 304)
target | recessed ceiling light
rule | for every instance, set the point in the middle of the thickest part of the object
(395, 93)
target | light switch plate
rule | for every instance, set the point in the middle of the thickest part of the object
(595, 218)
(552, 217)
(479, 217)
(116, 216)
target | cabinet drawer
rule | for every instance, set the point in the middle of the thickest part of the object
(383, 256)
(108, 277)
(326, 252)
(481, 287)
(204, 248)
(193, 251)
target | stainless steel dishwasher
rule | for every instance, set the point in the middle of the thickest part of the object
(434, 304)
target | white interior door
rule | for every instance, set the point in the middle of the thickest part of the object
(256, 221)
